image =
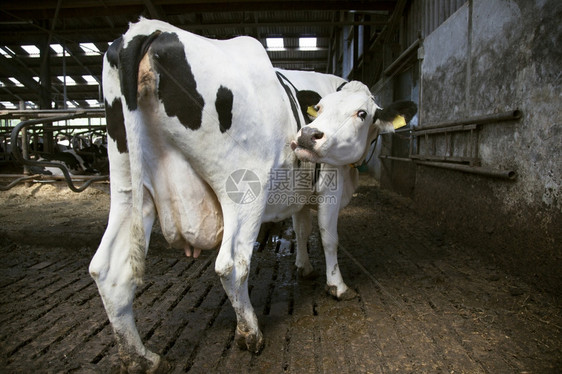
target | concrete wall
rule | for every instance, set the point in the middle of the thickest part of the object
(493, 56)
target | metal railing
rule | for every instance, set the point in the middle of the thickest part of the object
(469, 163)
(23, 159)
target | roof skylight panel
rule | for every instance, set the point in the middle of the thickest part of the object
(31, 50)
(275, 43)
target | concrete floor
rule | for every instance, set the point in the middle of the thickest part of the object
(425, 304)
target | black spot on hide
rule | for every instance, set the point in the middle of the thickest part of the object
(129, 59)
(113, 52)
(116, 124)
(177, 88)
(223, 104)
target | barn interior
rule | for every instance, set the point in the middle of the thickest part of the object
(479, 164)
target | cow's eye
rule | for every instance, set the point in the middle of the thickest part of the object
(362, 114)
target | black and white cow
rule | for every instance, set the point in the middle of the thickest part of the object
(200, 131)
(75, 164)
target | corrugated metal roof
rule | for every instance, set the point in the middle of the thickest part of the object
(34, 22)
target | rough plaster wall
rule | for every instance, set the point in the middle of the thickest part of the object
(527, 58)
(445, 65)
(492, 56)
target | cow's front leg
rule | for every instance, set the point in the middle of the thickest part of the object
(111, 269)
(303, 226)
(328, 223)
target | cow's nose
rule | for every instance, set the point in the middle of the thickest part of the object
(308, 137)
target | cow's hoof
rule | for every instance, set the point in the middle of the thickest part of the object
(304, 275)
(348, 294)
(132, 362)
(161, 366)
(249, 341)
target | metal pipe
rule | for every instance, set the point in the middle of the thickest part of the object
(25, 151)
(14, 182)
(35, 113)
(64, 92)
(480, 170)
(86, 128)
(19, 157)
(402, 58)
(396, 158)
(56, 177)
(404, 129)
(45, 178)
(478, 120)
(330, 49)
(446, 129)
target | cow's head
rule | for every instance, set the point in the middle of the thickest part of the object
(347, 122)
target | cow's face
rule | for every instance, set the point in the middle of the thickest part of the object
(347, 122)
(340, 134)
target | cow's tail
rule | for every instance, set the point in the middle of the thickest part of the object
(129, 60)
(138, 242)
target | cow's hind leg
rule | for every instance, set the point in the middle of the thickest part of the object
(303, 226)
(111, 269)
(233, 267)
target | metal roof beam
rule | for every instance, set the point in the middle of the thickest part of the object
(44, 9)
(182, 6)
(154, 10)
(9, 69)
(109, 34)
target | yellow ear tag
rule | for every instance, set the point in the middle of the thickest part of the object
(398, 122)
(312, 112)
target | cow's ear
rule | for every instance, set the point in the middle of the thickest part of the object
(307, 101)
(397, 114)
